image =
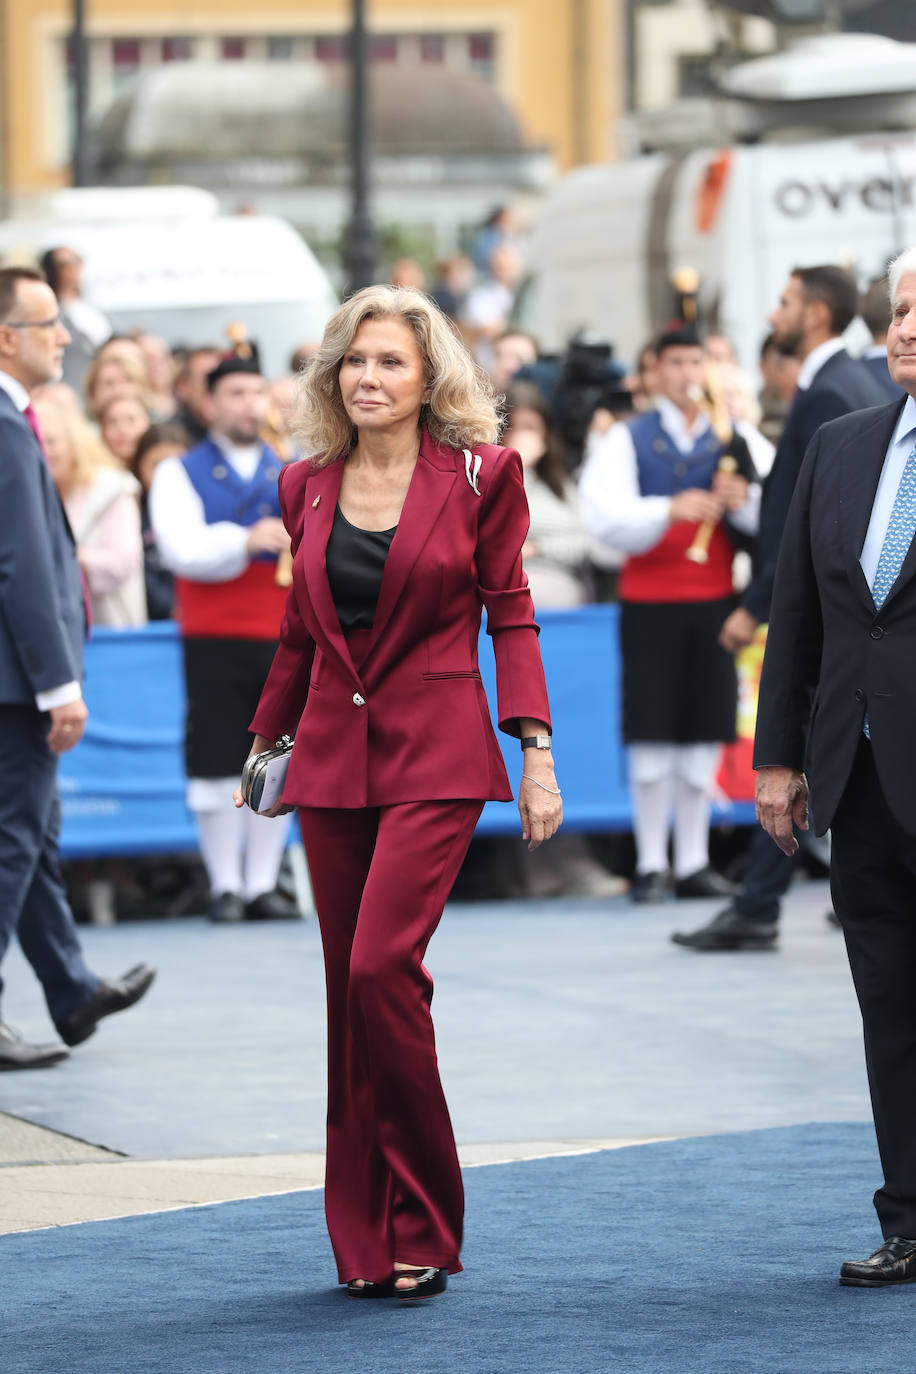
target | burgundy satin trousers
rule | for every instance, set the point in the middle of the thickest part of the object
(381, 877)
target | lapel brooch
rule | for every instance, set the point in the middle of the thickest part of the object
(316, 500)
(472, 466)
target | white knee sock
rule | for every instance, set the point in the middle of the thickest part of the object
(651, 785)
(220, 830)
(695, 767)
(265, 841)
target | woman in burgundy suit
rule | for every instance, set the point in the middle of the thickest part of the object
(408, 521)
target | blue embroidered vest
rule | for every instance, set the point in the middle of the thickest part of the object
(227, 496)
(663, 469)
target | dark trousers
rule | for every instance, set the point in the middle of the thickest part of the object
(33, 902)
(766, 879)
(393, 1187)
(873, 883)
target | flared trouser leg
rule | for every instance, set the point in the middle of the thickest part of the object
(381, 877)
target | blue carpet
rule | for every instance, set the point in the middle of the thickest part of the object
(687, 1257)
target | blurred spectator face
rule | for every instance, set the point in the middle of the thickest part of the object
(678, 371)
(111, 378)
(505, 266)
(719, 350)
(788, 319)
(69, 268)
(158, 360)
(60, 395)
(153, 456)
(237, 407)
(123, 420)
(511, 352)
(32, 337)
(642, 384)
(458, 274)
(282, 394)
(191, 385)
(408, 272)
(527, 433)
(125, 348)
(303, 354)
(779, 373)
(58, 446)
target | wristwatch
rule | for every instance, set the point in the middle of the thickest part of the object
(535, 742)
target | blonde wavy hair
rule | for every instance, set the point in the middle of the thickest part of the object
(136, 378)
(461, 409)
(88, 452)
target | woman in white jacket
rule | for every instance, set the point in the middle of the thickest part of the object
(102, 502)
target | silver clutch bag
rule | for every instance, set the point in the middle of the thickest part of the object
(264, 776)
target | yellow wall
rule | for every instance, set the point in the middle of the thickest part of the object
(557, 61)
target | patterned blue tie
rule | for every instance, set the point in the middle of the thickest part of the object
(900, 530)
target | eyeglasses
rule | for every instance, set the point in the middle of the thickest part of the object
(32, 324)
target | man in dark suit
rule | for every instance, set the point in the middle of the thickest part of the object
(874, 313)
(817, 304)
(42, 712)
(840, 656)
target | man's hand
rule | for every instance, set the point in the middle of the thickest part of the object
(67, 725)
(697, 506)
(731, 489)
(738, 631)
(782, 797)
(267, 536)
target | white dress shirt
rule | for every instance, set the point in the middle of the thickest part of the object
(612, 507)
(67, 692)
(816, 359)
(188, 545)
(899, 449)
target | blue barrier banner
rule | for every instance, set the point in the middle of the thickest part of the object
(123, 787)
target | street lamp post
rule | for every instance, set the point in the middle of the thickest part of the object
(361, 243)
(80, 160)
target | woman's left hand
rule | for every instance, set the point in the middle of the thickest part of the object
(539, 802)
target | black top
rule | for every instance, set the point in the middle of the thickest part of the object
(355, 561)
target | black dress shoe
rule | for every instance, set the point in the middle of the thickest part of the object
(649, 887)
(429, 1282)
(364, 1289)
(16, 1053)
(706, 882)
(226, 908)
(270, 906)
(895, 1262)
(729, 930)
(108, 998)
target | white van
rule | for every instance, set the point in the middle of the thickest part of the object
(167, 261)
(607, 238)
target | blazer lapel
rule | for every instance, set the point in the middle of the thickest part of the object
(432, 480)
(321, 502)
(861, 462)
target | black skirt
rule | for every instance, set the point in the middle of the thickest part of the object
(679, 685)
(223, 679)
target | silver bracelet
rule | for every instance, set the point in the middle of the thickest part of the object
(554, 791)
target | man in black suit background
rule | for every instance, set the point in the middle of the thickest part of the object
(840, 657)
(816, 306)
(42, 712)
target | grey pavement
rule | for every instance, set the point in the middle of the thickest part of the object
(561, 1024)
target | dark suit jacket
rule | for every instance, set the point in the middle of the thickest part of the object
(827, 646)
(879, 369)
(41, 602)
(412, 723)
(840, 386)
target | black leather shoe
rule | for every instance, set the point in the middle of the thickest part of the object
(729, 930)
(649, 887)
(270, 906)
(365, 1289)
(226, 908)
(706, 882)
(895, 1262)
(16, 1053)
(429, 1282)
(108, 998)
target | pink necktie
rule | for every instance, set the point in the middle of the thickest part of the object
(32, 421)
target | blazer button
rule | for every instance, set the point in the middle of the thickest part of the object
(358, 700)
(877, 632)
(860, 695)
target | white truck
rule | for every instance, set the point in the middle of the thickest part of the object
(608, 238)
(166, 260)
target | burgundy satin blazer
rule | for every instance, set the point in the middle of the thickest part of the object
(413, 723)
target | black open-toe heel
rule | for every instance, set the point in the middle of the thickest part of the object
(371, 1290)
(429, 1282)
